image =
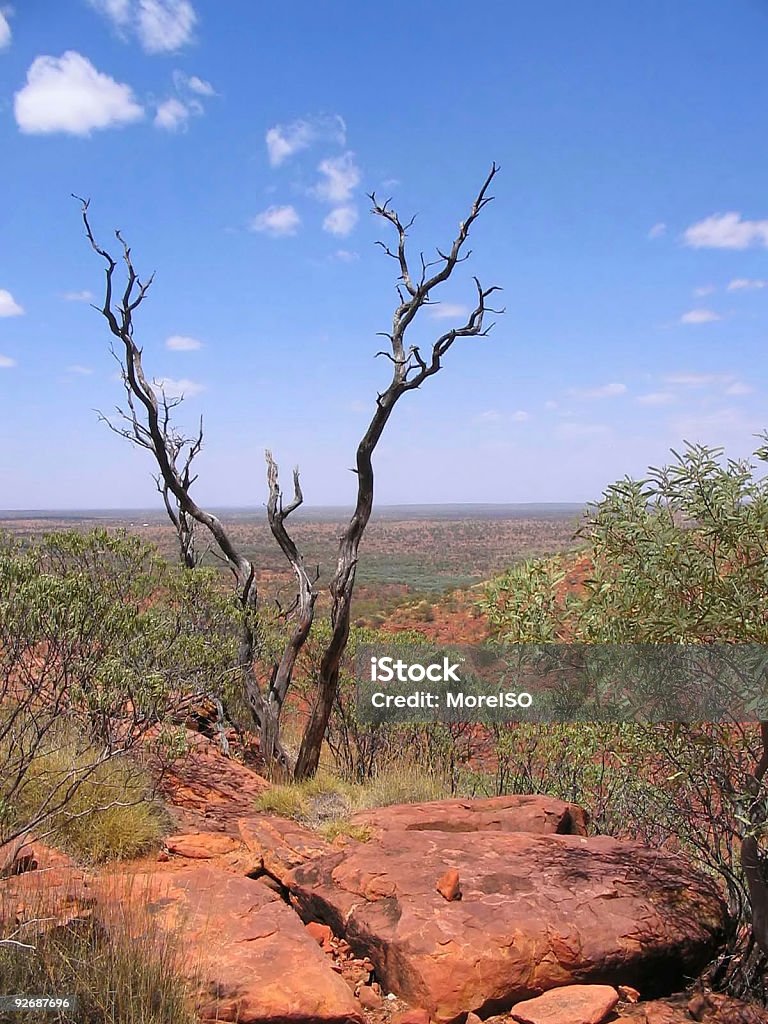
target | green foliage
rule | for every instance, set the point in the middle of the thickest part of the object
(681, 556)
(678, 557)
(100, 640)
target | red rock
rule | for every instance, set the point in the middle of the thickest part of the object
(448, 885)
(540, 814)
(472, 1018)
(573, 1004)
(628, 994)
(321, 933)
(280, 844)
(538, 912)
(414, 1016)
(663, 1013)
(369, 999)
(163, 857)
(206, 787)
(255, 962)
(201, 845)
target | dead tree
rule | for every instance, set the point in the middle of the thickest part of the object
(147, 423)
(410, 369)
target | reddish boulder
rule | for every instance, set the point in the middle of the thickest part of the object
(414, 1016)
(280, 844)
(255, 962)
(538, 912)
(448, 885)
(573, 1004)
(542, 815)
(201, 845)
(321, 933)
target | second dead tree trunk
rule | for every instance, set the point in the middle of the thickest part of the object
(409, 371)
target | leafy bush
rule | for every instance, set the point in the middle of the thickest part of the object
(100, 643)
(678, 557)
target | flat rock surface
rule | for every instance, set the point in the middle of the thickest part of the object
(539, 814)
(256, 962)
(537, 912)
(573, 1004)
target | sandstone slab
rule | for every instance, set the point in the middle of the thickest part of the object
(573, 1004)
(201, 845)
(253, 958)
(542, 815)
(538, 912)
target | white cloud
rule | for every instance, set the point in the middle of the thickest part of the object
(572, 431)
(489, 416)
(6, 362)
(697, 380)
(161, 26)
(172, 115)
(277, 221)
(656, 398)
(550, 404)
(704, 289)
(80, 371)
(520, 416)
(182, 388)
(727, 231)
(5, 31)
(285, 140)
(341, 221)
(743, 284)
(658, 230)
(605, 391)
(83, 296)
(346, 256)
(67, 94)
(700, 316)
(200, 86)
(738, 387)
(8, 305)
(447, 310)
(341, 176)
(182, 343)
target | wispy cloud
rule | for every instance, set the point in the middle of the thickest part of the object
(341, 221)
(612, 390)
(6, 363)
(5, 31)
(447, 310)
(182, 388)
(727, 231)
(743, 284)
(285, 140)
(8, 305)
(80, 371)
(658, 230)
(161, 26)
(346, 256)
(277, 221)
(182, 343)
(704, 289)
(83, 296)
(697, 380)
(738, 387)
(67, 94)
(700, 316)
(656, 398)
(340, 176)
(571, 430)
(174, 113)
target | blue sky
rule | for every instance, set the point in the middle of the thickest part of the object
(233, 143)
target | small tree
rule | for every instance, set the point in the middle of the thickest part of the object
(678, 557)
